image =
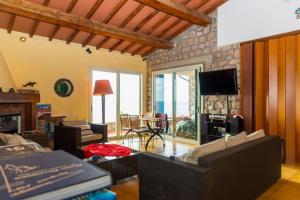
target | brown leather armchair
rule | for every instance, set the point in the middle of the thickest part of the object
(71, 136)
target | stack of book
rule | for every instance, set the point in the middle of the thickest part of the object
(50, 176)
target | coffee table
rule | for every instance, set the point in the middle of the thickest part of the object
(119, 167)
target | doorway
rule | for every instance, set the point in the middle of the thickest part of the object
(176, 93)
(126, 99)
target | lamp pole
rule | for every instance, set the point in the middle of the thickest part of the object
(103, 108)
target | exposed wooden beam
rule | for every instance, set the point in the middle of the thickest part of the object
(162, 21)
(124, 23)
(89, 15)
(52, 16)
(178, 10)
(207, 11)
(36, 22)
(11, 23)
(106, 20)
(57, 27)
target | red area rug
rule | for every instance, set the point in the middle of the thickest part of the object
(106, 150)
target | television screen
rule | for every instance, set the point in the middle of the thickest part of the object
(221, 82)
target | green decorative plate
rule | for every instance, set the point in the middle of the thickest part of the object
(63, 87)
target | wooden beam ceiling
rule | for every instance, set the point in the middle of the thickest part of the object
(186, 26)
(36, 22)
(178, 10)
(56, 17)
(123, 24)
(106, 20)
(88, 16)
(57, 27)
(137, 28)
(156, 26)
(11, 23)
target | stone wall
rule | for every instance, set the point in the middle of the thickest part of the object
(194, 46)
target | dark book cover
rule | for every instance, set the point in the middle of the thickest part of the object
(33, 176)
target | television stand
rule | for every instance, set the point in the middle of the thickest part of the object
(213, 128)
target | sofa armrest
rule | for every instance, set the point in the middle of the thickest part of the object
(255, 164)
(100, 129)
(164, 179)
(40, 138)
(67, 137)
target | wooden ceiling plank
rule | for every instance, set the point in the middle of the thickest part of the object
(178, 10)
(139, 26)
(89, 15)
(138, 50)
(11, 23)
(45, 14)
(106, 20)
(70, 8)
(123, 24)
(36, 22)
(162, 21)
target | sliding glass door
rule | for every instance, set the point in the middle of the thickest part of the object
(186, 99)
(163, 101)
(126, 99)
(130, 94)
(176, 93)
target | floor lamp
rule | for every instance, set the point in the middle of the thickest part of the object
(102, 88)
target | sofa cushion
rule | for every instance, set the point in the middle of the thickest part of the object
(91, 137)
(84, 127)
(87, 132)
(75, 123)
(205, 149)
(236, 140)
(256, 135)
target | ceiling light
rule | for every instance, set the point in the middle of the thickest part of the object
(23, 39)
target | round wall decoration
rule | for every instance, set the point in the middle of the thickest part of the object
(63, 87)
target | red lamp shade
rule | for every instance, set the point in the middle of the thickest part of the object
(102, 87)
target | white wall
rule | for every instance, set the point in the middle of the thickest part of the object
(244, 20)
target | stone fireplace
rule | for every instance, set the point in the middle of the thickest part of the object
(17, 108)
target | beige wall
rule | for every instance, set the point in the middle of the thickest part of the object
(45, 62)
(6, 80)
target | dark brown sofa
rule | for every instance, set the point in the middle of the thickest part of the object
(71, 138)
(242, 172)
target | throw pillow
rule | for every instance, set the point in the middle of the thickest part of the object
(256, 135)
(5, 137)
(16, 139)
(236, 140)
(212, 147)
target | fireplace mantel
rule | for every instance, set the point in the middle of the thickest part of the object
(25, 104)
(19, 98)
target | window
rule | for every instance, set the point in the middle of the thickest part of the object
(126, 98)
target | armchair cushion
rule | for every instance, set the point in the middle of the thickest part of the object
(90, 137)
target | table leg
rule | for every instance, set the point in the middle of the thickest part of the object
(153, 133)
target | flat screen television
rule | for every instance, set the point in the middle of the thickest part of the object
(221, 82)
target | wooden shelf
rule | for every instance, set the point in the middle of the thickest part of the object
(19, 98)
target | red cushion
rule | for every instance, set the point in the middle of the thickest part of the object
(106, 150)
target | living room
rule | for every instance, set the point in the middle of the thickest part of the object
(162, 99)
